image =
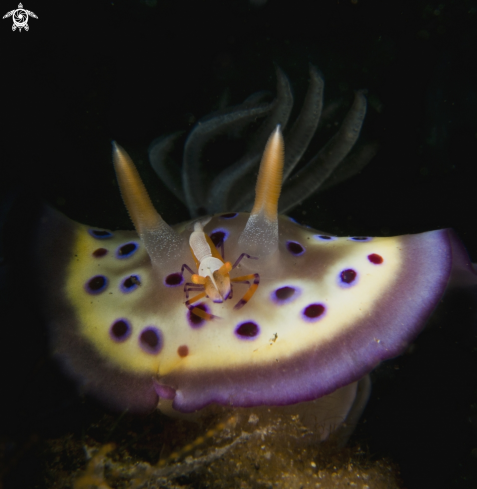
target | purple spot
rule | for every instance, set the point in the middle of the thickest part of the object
(295, 248)
(325, 238)
(229, 215)
(100, 252)
(219, 236)
(313, 312)
(194, 320)
(126, 250)
(363, 239)
(173, 280)
(150, 340)
(130, 283)
(285, 295)
(347, 278)
(96, 285)
(375, 258)
(120, 330)
(100, 233)
(247, 330)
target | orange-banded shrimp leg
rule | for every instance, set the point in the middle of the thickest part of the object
(197, 310)
(190, 287)
(195, 286)
(251, 290)
(239, 259)
(245, 279)
(188, 268)
(198, 283)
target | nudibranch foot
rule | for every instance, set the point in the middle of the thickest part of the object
(254, 449)
(331, 418)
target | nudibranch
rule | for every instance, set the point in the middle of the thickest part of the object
(236, 309)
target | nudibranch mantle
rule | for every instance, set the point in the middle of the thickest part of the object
(327, 310)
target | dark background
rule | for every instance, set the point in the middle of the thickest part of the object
(89, 72)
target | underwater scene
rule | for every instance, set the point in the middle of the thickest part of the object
(238, 245)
